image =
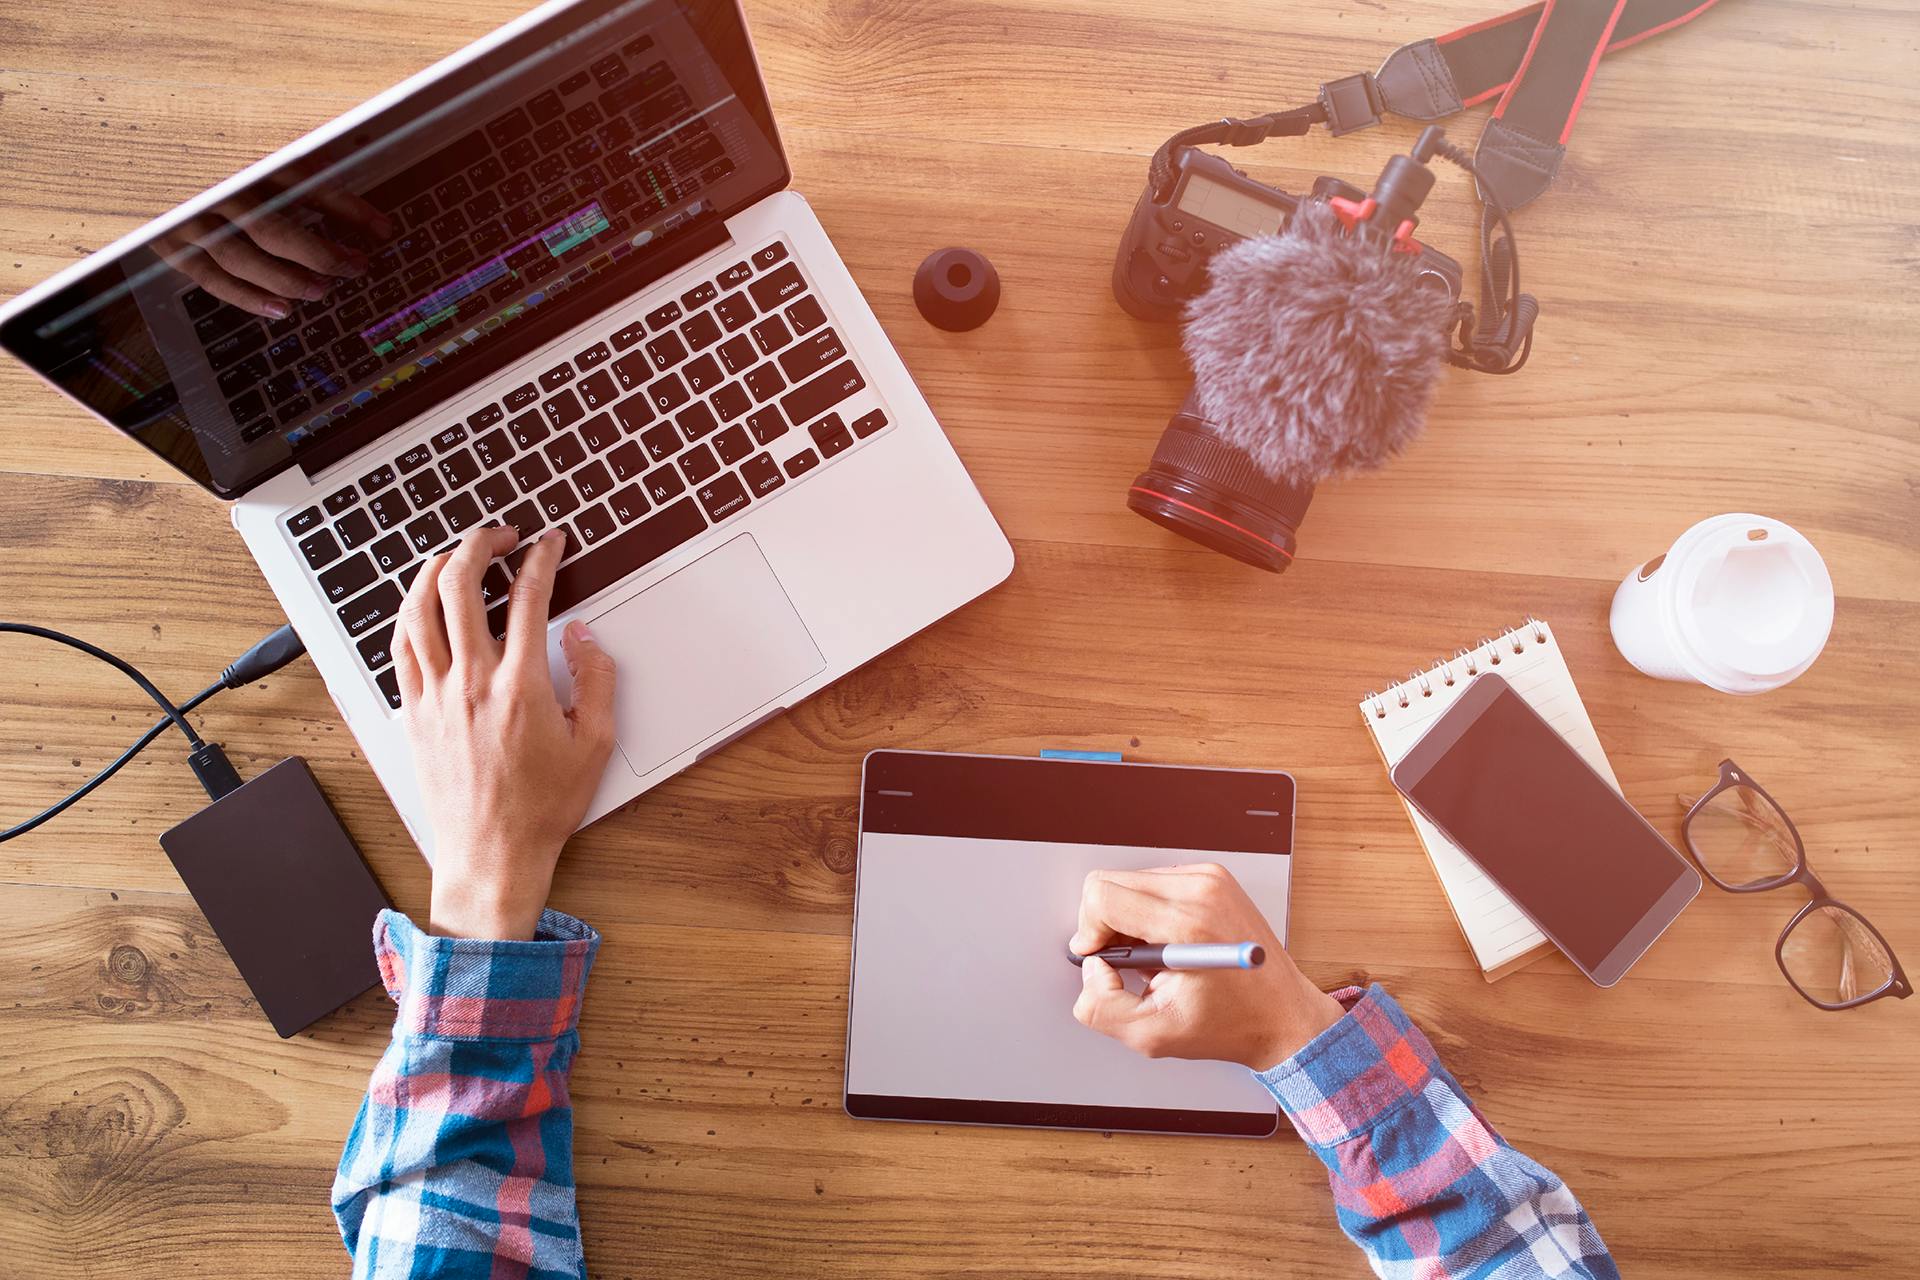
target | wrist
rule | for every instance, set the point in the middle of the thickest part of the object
(467, 910)
(1300, 1021)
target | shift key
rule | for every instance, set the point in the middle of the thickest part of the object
(364, 613)
(809, 400)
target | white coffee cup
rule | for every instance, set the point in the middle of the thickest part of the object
(1739, 603)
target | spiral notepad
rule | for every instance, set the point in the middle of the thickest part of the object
(1502, 937)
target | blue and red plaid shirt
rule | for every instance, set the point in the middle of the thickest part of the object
(460, 1163)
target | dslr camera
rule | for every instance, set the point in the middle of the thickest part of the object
(1200, 485)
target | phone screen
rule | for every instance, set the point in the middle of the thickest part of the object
(1546, 828)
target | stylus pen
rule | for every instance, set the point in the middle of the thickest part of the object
(1182, 955)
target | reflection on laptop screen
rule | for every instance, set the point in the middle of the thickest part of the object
(428, 246)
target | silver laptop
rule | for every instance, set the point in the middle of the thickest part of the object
(555, 280)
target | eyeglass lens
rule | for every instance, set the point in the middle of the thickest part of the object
(1833, 957)
(1741, 839)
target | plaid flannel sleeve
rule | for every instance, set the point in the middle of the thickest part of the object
(460, 1163)
(1421, 1182)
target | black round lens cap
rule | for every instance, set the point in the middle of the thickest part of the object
(956, 289)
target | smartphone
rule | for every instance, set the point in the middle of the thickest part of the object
(1585, 867)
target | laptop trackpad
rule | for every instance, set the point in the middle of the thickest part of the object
(700, 650)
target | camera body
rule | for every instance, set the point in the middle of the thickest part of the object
(1169, 242)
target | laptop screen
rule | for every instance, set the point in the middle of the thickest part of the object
(390, 267)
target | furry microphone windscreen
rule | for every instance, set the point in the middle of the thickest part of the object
(1315, 352)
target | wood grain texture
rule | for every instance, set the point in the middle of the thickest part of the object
(1728, 325)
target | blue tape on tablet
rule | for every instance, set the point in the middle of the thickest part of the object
(1098, 757)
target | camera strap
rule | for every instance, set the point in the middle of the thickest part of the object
(1538, 62)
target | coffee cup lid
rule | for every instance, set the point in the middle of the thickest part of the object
(1753, 600)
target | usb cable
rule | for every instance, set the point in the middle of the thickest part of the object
(210, 765)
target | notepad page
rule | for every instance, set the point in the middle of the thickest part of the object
(1496, 929)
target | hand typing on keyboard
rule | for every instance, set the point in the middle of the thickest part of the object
(505, 770)
(262, 255)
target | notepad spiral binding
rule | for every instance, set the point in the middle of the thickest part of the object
(1486, 654)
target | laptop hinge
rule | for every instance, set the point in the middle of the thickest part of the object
(404, 404)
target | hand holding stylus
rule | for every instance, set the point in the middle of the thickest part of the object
(1258, 1017)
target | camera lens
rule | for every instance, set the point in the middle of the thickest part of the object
(1204, 488)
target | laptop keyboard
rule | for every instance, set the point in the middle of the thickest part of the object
(680, 418)
(495, 204)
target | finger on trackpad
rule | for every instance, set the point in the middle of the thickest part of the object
(699, 651)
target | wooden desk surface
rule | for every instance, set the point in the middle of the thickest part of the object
(1727, 268)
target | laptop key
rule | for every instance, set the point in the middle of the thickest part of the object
(525, 519)
(806, 315)
(770, 255)
(666, 351)
(696, 420)
(771, 334)
(341, 499)
(389, 682)
(592, 480)
(634, 413)
(355, 529)
(765, 382)
(520, 397)
(461, 512)
(732, 445)
(699, 296)
(563, 409)
(731, 401)
(565, 452)
(723, 497)
(388, 508)
(626, 553)
(811, 355)
(485, 417)
(558, 500)
(767, 424)
(302, 521)
(425, 489)
(701, 332)
(366, 612)
(426, 533)
(599, 432)
(736, 274)
(632, 370)
(391, 552)
(699, 464)
(702, 375)
(460, 469)
(528, 430)
(628, 460)
(771, 292)
(801, 463)
(495, 449)
(868, 423)
(668, 394)
(660, 317)
(663, 482)
(738, 353)
(320, 549)
(762, 475)
(629, 504)
(348, 578)
(830, 434)
(415, 458)
(629, 335)
(811, 399)
(558, 376)
(529, 471)
(449, 438)
(593, 357)
(734, 311)
(376, 650)
(597, 390)
(377, 479)
(594, 524)
(496, 493)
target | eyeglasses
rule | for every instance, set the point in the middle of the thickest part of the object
(1745, 843)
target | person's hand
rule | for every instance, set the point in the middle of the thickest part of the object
(1256, 1017)
(505, 771)
(264, 261)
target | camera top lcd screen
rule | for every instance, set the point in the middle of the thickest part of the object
(1228, 207)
